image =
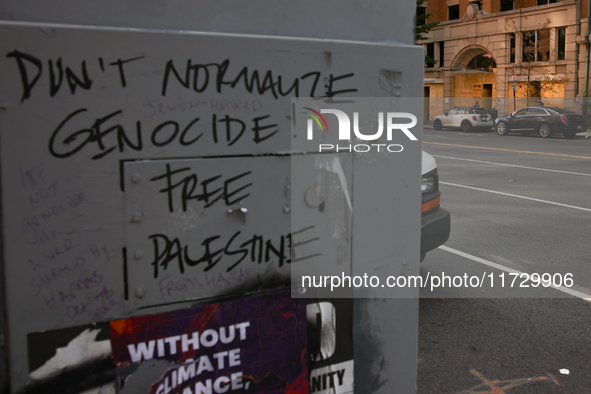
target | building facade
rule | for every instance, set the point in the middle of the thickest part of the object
(504, 54)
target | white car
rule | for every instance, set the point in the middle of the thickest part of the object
(464, 118)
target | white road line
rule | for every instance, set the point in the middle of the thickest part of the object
(513, 165)
(563, 289)
(515, 195)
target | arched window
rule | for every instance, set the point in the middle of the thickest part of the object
(484, 61)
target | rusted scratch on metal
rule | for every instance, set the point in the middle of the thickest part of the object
(376, 381)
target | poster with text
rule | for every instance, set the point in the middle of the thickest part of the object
(330, 345)
(250, 345)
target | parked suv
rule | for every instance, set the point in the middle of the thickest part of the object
(464, 118)
(435, 221)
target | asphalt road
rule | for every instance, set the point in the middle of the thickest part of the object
(519, 205)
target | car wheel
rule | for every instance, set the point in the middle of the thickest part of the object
(544, 130)
(466, 126)
(569, 135)
(502, 128)
(437, 124)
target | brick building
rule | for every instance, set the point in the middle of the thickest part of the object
(482, 46)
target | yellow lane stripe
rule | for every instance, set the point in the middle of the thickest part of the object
(509, 150)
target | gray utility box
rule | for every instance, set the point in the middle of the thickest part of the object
(146, 171)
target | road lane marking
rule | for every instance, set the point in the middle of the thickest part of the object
(513, 165)
(563, 289)
(515, 195)
(510, 150)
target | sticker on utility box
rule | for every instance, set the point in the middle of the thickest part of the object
(330, 345)
(255, 344)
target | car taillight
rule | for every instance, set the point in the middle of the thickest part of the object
(473, 117)
(564, 119)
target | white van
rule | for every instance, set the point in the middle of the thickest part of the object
(435, 221)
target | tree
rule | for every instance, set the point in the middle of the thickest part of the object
(422, 28)
(584, 105)
(535, 48)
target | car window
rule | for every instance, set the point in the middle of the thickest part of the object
(521, 112)
(463, 111)
(480, 111)
(556, 110)
(536, 111)
(452, 112)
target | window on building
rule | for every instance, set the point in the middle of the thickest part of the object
(453, 12)
(543, 45)
(506, 5)
(441, 54)
(420, 19)
(544, 2)
(483, 61)
(561, 55)
(430, 48)
(536, 46)
(512, 48)
(528, 53)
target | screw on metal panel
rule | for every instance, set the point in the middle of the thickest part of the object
(239, 210)
(240, 213)
(136, 217)
(135, 178)
(138, 254)
(139, 292)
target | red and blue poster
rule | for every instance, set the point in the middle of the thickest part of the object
(249, 345)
